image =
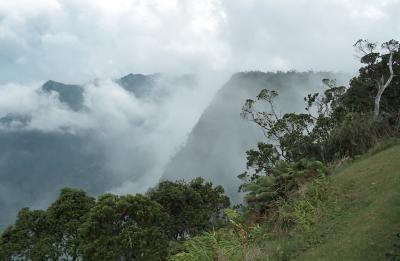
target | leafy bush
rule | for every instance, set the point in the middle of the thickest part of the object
(235, 242)
(355, 135)
(285, 179)
(303, 210)
(221, 245)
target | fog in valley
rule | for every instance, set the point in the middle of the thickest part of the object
(118, 139)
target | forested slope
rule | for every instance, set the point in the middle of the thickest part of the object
(217, 144)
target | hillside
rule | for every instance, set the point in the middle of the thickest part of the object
(354, 214)
(366, 226)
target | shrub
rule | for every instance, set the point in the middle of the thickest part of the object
(221, 245)
(236, 242)
(303, 210)
(286, 178)
(355, 135)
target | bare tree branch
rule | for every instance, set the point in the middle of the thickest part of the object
(392, 46)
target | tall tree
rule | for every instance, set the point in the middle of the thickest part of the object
(124, 228)
(29, 238)
(373, 59)
(66, 215)
(294, 136)
(193, 207)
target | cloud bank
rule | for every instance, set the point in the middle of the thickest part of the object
(118, 141)
(75, 41)
(138, 135)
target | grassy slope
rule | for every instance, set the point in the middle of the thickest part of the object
(369, 199)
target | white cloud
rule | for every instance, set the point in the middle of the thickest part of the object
(60, 38)
(28, 8)
(74, 40)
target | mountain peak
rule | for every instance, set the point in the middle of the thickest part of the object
(139, 84)
(70, 94)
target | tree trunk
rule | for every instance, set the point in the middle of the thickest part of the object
(382, 87)
(378, 101)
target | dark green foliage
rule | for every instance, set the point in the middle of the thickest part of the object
(66, 215)
(179, 201)
(193, 207)
(51, 234)
(132, 227)
(363, 88)
(325, 133)
(263, 159)
(355, 135)
(124, 228)
(29, 238)
(394, 254)
(337, 123)
(213, 201)
(294, 136)
(287, 132)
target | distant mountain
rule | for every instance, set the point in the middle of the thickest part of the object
(14, 121)
(139, 84)
(72, 95)
(69, 94)
(144, 86)
(217, 144)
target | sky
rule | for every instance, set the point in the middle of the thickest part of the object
(76, 41)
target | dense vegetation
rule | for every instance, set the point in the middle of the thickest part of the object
(111, 227)
(351, 215)
(288, 188)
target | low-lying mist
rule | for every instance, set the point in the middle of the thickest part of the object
(119, 139)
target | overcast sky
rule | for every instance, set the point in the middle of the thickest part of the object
(78, 40)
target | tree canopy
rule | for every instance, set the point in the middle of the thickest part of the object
(112, 227)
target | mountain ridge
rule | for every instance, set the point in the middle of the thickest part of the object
(209, 151)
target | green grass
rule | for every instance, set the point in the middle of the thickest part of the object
(367, 210)
(354, 214)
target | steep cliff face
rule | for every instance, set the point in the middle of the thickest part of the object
(217, 144)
